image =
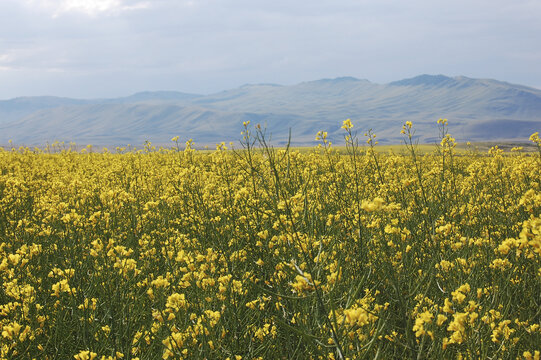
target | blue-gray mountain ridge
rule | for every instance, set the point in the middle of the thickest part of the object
(477, 109)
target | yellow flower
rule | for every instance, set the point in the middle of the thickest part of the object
(535, 138)
(459, 294)
(176, 301)
(448, 306)
(11, 330)
(457, 326)
(441, 319)
(422, 319)
(528, 355)
(347, 124)
(85, 355)
(160, 281)
(374, 205)
(356, 316)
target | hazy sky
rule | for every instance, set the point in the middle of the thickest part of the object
(105, 48)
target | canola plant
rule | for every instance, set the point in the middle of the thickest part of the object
(264, 253)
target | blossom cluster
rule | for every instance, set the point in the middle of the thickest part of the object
(264, 253)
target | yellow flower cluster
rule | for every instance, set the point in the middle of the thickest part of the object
(264, 253)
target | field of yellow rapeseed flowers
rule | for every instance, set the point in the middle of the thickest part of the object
(264, 253)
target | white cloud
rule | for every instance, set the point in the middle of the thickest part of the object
(5, 58)
(88, 7)
(209, 45)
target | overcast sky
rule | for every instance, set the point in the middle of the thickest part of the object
(106, 48)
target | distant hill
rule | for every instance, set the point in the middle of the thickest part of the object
(477, 109)
(154, 97)
(18, 108)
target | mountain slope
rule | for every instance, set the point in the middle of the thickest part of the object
(478, 110)
(17, 108)
(121, 124)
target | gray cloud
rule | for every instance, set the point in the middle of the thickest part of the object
(95, 48)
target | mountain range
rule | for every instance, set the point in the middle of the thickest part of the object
(477, 109)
